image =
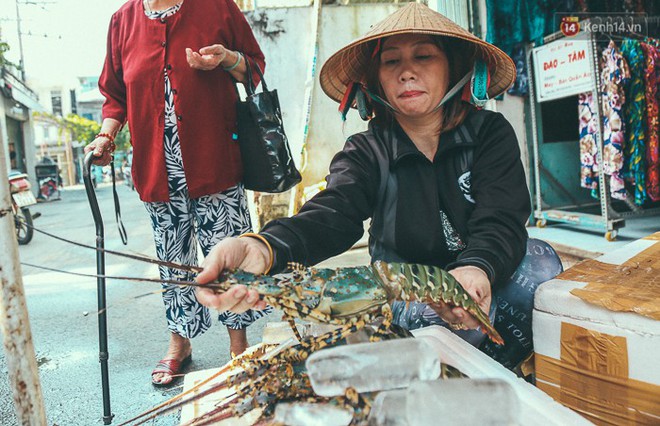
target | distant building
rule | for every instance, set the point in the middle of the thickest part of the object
(90, 100)
(81, 97)
(49, 139)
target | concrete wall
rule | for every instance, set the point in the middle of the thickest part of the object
(513, 108)
(285, 36)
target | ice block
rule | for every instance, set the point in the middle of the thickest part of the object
(310, 414)
(389, 409)
(462, 402)
(369, 367)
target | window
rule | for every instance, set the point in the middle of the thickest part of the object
(56, 102)
(74, 104)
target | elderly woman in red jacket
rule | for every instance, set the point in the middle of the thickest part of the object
(173, 84)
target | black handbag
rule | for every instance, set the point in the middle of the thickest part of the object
(267, 162)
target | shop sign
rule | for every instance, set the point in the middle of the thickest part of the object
(562, 68)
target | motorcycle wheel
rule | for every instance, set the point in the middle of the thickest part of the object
(23, 222)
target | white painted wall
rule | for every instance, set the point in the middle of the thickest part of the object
(285, 37)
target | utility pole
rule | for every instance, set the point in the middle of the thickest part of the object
(20, 41)
(14, 320)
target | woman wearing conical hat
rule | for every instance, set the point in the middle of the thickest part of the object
(440, 179)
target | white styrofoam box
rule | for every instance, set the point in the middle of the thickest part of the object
(625, 343)
(536, 406)
(555, 304)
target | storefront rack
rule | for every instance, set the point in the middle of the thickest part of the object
(610, 220)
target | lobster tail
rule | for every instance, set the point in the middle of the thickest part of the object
(432, 284)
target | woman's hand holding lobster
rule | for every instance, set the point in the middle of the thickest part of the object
(248, 254)
(475, 281)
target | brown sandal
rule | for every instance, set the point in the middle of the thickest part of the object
(170, 367)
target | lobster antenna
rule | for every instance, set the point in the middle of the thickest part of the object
(140, 257)
(216, 286)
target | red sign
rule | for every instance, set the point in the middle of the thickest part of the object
(570, 25)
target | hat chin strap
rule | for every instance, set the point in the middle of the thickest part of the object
(457, 87)
(470, 76)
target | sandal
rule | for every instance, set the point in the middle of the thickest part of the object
(170, 367)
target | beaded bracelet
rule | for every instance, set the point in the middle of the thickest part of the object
(110, 138)
(239, 55)
(265, 241)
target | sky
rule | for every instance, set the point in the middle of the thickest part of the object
(62, 39)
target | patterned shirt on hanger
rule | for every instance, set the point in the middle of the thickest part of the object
(614, 75)
(634, 168)
(652, 80)
(588, 128)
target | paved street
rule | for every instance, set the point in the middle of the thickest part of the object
(64, 328)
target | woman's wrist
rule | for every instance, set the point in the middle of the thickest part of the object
(109, 137)
(230, 63)
(265, 249)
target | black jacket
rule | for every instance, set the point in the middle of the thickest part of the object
(467, 207)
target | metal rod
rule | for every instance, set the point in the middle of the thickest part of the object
(14, 320)
(603, 181)
(538, 211)
(100, 288)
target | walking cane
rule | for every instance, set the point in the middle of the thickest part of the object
(100, 286)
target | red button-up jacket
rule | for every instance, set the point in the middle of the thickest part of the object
(139, 50)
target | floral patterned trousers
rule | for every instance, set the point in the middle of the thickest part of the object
(178, 226)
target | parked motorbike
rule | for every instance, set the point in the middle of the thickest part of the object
(48, 189)
(21, 199)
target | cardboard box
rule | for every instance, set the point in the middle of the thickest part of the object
(597, 336)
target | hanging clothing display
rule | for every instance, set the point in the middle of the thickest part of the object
(614, 75)
(588, 148)
(630, 96)
(652, 80)
(514, 23)
(521, 85)
(634, 167)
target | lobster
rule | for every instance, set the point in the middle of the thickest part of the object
(333, 296)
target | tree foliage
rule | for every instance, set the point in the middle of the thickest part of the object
(4, 62)
(81, 129)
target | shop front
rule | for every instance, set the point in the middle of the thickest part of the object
(17, 101)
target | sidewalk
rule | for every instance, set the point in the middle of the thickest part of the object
(587, 243)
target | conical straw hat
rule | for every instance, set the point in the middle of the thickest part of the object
(350, 63)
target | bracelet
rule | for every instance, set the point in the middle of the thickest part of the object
(265, 241)
(239, 55)
(106, 135)
(110, 138)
